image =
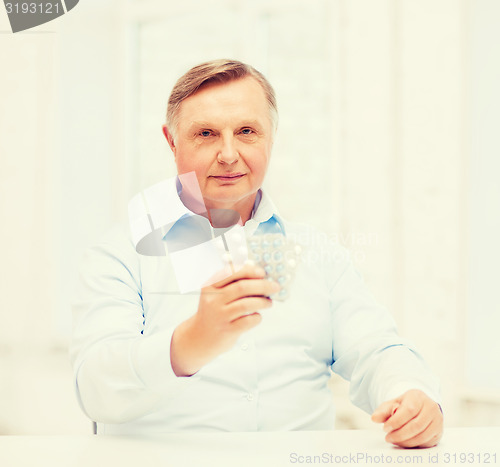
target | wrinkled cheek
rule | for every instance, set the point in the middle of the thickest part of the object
(185, 165)
(259, 173)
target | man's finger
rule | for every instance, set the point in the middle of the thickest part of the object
(246, 272)
(246, 322)
(385, 411)
(433, 441)
(411, 429)
(428, 437)
(246, 306)
(406, 411)
(250, 288)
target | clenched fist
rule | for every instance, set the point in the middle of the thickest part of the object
(411, 420)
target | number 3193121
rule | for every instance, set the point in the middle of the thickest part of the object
(33, 8)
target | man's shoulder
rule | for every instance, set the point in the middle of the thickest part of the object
(115, 242)
(116, 234)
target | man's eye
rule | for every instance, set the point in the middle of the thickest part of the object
(205, 133)
(247, 131)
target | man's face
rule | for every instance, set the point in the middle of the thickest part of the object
(225, 135)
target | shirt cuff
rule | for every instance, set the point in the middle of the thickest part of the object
(400, 388)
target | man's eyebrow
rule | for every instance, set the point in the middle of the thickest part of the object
(249, 122)
(241, 123)
(199, 124)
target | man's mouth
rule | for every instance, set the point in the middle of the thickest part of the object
(228, 177)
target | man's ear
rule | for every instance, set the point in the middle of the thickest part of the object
(170, 138)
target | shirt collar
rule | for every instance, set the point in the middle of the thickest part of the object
(265, 217)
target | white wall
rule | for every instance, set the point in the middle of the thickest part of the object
(387, 127)
(32, 372)
(483, 357)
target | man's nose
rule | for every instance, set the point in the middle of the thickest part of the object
(228, 153)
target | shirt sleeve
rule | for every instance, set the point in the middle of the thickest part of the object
(120, 374)
(367, 349)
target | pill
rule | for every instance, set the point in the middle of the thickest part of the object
(278, 257)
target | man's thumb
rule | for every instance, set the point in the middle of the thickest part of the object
(384, 411)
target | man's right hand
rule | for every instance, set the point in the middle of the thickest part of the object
(226, 310)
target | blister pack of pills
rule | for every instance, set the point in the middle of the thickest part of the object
(278, 256)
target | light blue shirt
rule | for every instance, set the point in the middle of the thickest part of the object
(274, 378)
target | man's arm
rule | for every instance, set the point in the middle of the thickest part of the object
(381, 365)
(118, 372)
(226, 309)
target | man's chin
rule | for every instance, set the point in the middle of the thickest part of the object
(228, 199)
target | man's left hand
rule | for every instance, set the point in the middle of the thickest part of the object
(411, 420)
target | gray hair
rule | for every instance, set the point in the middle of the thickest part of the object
(215, 71)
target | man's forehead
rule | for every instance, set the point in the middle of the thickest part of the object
(214, 84)
(233, 90)
(243, 98)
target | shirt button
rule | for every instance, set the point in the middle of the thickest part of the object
(244, 347)
(249, 397)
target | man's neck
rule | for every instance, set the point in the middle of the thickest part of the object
(244, 208)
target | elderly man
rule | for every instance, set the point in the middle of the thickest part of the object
(149, 359)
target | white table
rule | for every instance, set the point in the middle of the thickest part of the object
(459, 446)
